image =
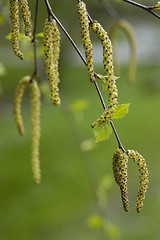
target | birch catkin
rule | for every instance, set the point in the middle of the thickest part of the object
(56, 48)
(84, 24)
(15, 27)
(120, 161)
(51, 50)
(26, 15)
(143, 184)
(108, 67)
(17, 103)
(129, 32)
(35, 124)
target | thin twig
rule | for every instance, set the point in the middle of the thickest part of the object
(84, 61)
(64, 30)
(146, 8)
(35, 74)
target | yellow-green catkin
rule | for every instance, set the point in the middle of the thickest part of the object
(84, 24)
(129, 32)
(108, 67)
(15, 27)
(51, 50)
(17, 103)
(102, 119)
(120, 161)
(143, 184)
(26, 15)
(56, 47)
(35, 124)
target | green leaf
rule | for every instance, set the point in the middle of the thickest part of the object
(20, 37)
(95, 222)
(157, 6)
(41, 34)
(79, 105)
(2, 69)
(104, 80)
(102, 131)
(121, 111)
(2, 21)
(111, 230)
(87, 145)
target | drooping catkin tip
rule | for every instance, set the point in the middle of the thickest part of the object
(51, 43)
(26, 16)
(143, 183)
(37, 176)
(18, 102)
(35, 123)
(120, 161)
(15, 27)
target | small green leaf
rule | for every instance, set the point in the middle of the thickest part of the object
(87, 145)
(41, 34)
(95, 222)
(102, 131)
(157, 6)
(79, 105)
(2, 21)
(121, 111)
(2, 69)
(104, 80)
(20, 37)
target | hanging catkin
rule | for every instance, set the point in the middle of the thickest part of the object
(143, 184)
(35, 124)
(56, 47)
(15, 27)
(84, 24)
(129, 32)
(51, 49)
(108, 67)
(18, 101)
(26, 15)
(120, 161)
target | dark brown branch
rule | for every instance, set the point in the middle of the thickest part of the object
(35, 42)
(50, 12)
(146, 8)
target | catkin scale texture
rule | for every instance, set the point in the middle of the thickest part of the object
(51, 49)
(119, 163)
(107, 49)
(26, 15)
(15, 27)
(17, 103)
(108, 67)
(56, 47)
(84, 25)
(35, 124)
(143, 183)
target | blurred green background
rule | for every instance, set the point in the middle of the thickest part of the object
(78, 197)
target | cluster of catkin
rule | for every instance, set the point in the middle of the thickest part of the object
(35, 120)
(52, 50)
(120, 161)
(109, 83)
(15, 23)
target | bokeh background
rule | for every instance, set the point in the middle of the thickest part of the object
(78, 197)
